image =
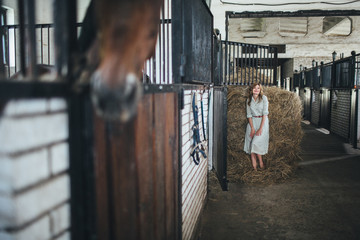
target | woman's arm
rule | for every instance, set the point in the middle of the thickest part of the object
(249, 117)
(259, 131)
(264, 116)
(252, 132)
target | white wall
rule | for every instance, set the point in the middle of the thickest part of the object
(34, 160)
(313, 44)
(219, 7)
(194, 177)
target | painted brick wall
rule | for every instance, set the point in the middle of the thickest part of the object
(34, 183)
(315, 107)
(194, 177)
(340, 112)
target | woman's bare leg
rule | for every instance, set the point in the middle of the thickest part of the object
(253, 159)
(261, 163)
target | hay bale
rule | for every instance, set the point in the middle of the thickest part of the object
(246, 74)
(284, 142)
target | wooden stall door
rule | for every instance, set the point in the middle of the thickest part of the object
(136, 167)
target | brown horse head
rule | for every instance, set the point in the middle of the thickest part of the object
(126, 36)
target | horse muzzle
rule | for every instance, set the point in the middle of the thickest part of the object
(118, 102)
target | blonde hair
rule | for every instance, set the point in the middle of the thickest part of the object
(250, 93)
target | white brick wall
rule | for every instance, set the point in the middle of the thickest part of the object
(34, 183)
(194, 177)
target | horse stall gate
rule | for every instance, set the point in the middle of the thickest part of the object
(325, 103)
(330, 96)
(316, 96)
(84, 177)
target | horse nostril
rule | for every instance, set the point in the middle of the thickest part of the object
(119, 102)
(133, 87)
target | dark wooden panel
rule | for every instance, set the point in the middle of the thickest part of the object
(144, 167)
(122, 173)
(170, 165)
(101, 164)
(220, 136)
(198, 22)
(137, 172)
(159, 167)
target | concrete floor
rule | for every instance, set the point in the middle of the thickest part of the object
(321, 202)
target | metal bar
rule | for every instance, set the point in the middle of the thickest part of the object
(247, 77)
(65, 36)
(231, 68)
(48, 32)
(30, 32)
(267, 66)
(160, 54)
(263, 65)
(274, 59)
(234, 64)
(41, 46)
(168, 41)
(252, 62)
(22, 36)
(32, 89)
(226, 61)
(81, 169)
(154, 69)
(221, 69)
(7, 46)
(256, 64)
(151, 71)
(242, 65)
(15, 49)
(229, 64)
(163, 37)
(356, 112)
(2, 63)
(237, 70)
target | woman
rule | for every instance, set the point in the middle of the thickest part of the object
(257, 130)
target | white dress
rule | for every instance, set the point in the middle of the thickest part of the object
(258, 144)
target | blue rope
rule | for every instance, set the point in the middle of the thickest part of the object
(196, 135)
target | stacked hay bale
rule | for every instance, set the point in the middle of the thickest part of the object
(285, 136)
(247, 73)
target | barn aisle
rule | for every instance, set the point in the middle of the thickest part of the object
(320, 202)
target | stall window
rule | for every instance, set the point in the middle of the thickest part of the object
(293, 27)
(337, 26)
(252, 27)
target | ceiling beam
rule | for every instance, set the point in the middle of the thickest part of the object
(302, 13)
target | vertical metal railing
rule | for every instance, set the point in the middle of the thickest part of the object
(45, 47)
(343, 75)
(244, 64)
(158, 69)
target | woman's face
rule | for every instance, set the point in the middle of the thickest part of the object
(256, 90)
